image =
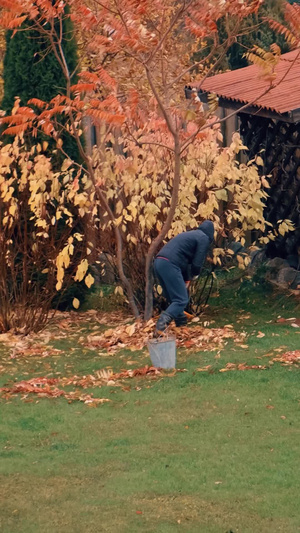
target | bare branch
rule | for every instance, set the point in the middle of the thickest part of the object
(109, 10)
(224, 48)
(160, 103)
(177, 15)
(144, 143)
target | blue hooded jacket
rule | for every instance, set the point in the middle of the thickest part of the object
(188, 250)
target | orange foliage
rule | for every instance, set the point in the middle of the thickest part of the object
(37, 102)
(129, 42)
(83, 87)
(138, 60)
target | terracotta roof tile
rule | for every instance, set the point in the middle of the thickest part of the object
(244, 85)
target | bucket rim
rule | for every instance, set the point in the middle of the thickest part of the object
(161, 340)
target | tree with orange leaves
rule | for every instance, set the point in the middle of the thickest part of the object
(137, 58)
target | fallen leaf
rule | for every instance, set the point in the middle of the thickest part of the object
(188, 344)
(288, 358)
(136, 336)
(46, 388)
(242, 366)
(108, 333)
(130, 330)
(204, 369)
(40, 386)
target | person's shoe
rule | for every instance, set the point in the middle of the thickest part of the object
(162, 323)
(181, 320)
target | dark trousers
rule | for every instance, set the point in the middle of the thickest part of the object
(173, 286)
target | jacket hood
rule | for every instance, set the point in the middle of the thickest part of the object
(208, 228)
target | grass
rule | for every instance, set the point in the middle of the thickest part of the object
(197, 452)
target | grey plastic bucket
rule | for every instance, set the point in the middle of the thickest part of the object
(163, 352)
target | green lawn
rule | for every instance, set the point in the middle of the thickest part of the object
(211, 452)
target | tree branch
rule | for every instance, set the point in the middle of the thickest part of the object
(160, 103)
(141, 143)
(169, 29)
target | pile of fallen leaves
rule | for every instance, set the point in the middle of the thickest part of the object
(65, 325)
(127, 335)
(28, 346)
(136, 336)
(108, 377)
(132, 336)
(288, 358)
(48, 387)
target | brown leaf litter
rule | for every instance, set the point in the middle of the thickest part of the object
(288, 358)
(44, 387)
(242, 366)
(136, 336)
(108, 377)
(47, 388)
(64, 325)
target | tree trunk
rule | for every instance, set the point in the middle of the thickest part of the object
(166, 227)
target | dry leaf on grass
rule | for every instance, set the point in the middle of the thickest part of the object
(38, 350)
(46, 388)
(204, 369)
(40, 386)
(107, 377)
(242, 366)
(136, 336)
(31, 345)
(289, 358)
(294, 322)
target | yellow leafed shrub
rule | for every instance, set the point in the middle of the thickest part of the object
(213, 186)
(42, 246)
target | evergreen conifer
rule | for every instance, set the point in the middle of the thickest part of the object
(31, 70)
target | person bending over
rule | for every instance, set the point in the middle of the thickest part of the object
(177, 263)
